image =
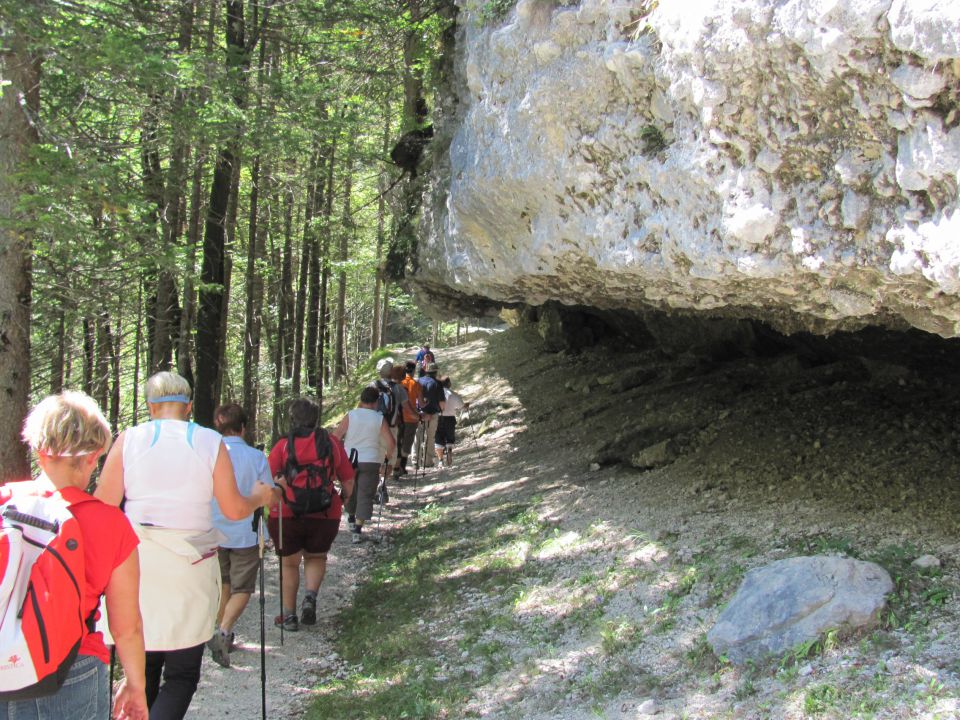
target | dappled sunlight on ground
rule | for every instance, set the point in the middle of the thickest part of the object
(572, 590)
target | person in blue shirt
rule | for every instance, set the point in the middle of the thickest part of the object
(238, 554)
(424, 358)
(432, 402)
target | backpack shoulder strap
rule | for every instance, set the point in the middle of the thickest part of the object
(322, 441)
(292, 463)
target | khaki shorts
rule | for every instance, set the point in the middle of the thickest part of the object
(238, 568)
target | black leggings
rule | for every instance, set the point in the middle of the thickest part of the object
(181, 674)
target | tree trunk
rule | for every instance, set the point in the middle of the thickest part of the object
(299, 322)
(376, 336)
(254, 306)
(89, 347)
(324, 319)
(56, 360)
(115, 375)
(314, 206)
(210, 338)
(224, 387)
(285, 299)
(385, 313)
(137, 345)
(19, 105)
(339, 353)
(184, 346)
(101, 380)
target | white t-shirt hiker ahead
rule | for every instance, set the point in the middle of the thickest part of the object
(363, 435)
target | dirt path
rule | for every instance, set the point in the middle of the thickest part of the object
(294, 668)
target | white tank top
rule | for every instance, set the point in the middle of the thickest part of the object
(363, 435)
(168, 474)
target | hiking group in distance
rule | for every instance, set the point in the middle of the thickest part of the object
(162, 558)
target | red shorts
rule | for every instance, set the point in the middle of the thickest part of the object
(312, 535)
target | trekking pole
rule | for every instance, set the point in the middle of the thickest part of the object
(382, 495)
(473, 432)
(113, 668)
(280, 559)
(258, 519)
(422, 455)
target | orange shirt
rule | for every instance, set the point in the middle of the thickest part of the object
(414, 391)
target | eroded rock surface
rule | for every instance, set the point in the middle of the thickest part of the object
(797, 600)
(786, 161)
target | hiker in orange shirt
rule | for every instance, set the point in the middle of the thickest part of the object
(411, 417)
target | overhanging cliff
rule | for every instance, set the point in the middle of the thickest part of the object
(793, 162)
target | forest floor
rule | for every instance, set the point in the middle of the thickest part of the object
(543, 576)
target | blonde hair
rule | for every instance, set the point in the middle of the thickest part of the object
(166, 384)
(66, 425)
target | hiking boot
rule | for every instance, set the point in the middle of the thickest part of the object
(231, 641)
(356, 537)
(308, 610)
(219, 646)
(290, 622)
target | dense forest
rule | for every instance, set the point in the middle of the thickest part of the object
(204, 186)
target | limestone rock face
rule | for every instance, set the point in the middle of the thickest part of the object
(790, 161)
(797, 600)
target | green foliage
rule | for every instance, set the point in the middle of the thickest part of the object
(492, 11)
(134, 114)
(653, 140)
(820, 699)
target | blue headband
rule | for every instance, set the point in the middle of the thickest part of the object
(170, 398)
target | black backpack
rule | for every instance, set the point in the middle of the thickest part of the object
(316, 493)
(387, 403)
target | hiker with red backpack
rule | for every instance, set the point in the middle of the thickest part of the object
(57, 537)
(167, 472)
(305, 464)
(365, 430)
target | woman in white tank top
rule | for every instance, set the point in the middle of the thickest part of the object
(366, 431)
(168, 470)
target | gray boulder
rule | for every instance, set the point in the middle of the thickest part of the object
(796, 600)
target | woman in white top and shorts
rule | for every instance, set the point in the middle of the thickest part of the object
(168, 470)
(366, 431)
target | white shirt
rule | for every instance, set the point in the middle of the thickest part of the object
(168, 474)
(363, 435)
(452, 404)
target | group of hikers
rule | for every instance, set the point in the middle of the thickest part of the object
(172, 536)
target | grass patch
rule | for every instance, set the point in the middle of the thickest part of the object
(341, 398)
(416, 645)
(820, 699)
(702, 659)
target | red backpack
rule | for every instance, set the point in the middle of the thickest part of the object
(42, 582)
(310, 484)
